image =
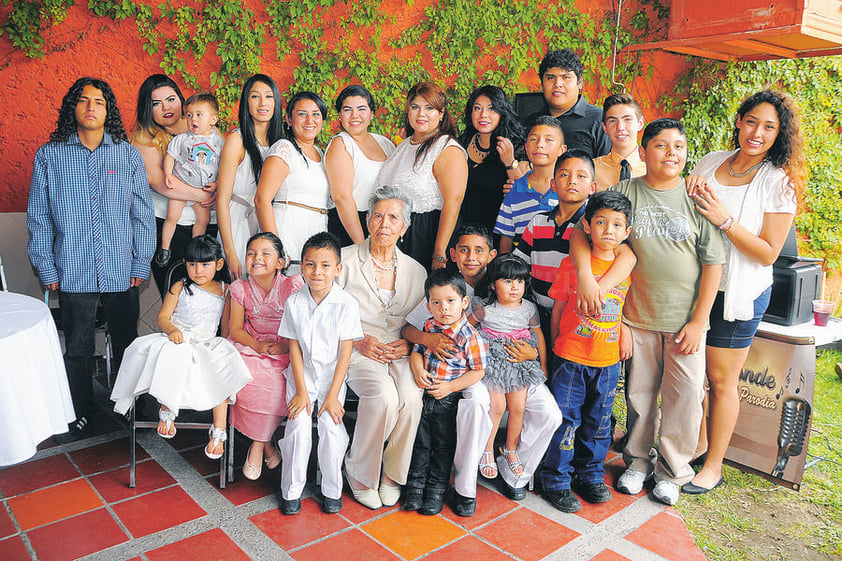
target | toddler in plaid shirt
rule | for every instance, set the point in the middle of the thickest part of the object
(442, 382)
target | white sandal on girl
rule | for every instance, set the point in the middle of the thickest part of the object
(167, 417)
(217, 436)
(487, 467)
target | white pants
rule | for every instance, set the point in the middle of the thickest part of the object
(473, 427)
(540, 420)
(298, 441)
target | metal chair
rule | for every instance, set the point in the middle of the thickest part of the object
(4, 286)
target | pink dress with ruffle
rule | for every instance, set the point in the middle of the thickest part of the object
(261, 404)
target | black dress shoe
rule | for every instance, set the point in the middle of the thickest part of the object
(414, 499)
(699, 460)
(433, 503)
(563, 499)
(289, 507)
(463, 506)
(515, 494)
(331, 506)
(691, 489)
(593, 492)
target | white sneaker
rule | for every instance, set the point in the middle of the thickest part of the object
(667, 492)
(631, 482)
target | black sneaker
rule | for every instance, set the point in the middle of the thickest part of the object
(162, 257)
(289, 507)
(563, 499)
(331, 506)
(414, 499)
(463, 506)
(593, 492)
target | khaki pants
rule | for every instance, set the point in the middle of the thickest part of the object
(658, 367)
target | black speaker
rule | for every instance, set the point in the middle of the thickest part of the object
(795, 283)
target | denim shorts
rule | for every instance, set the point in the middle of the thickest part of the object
(735, 334)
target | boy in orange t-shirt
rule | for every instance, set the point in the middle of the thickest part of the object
(586, 364)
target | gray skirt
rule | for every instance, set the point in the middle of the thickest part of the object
(503, 376)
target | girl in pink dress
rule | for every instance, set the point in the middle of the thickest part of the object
(257, 304)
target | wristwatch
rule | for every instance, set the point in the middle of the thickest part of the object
(513, 165)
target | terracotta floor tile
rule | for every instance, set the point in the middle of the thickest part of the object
(544, 536)
(27, 477)
(75, 537)
(12, 549)
(490, 505)
(352, 545)
(598, 512)
(243, 491)
(410, 534)
(666, 535)
(114, 485)
(54, 503)
(213, 545)
(106, 456)
(309, 525)
(7, 527)
(609, 555)
(157, 511)
(204, 465)
(357, 513)
(468, 548)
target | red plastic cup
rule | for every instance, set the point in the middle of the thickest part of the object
(821, 311)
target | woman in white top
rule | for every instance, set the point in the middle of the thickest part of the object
(293, 195)
(261, 125)
(432, 168)
(751, 193)
(353, 159)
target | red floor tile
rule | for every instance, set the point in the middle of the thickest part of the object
(468, 548)
(213, 545)
(411, 535)
(309, 525)
(204, 465)
(243, 491)
(76, 537)
(357, 513)
(158, 511)
(609, 555)
(106, 456)
(666, 535)
(12, 549)
(54, 503)
(7, 527)
(596, 513)
(352, 545)
(544, 535)
(490, 505)
(114, 485)
(27, 477)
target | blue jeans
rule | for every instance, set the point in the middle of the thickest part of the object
(585, 395)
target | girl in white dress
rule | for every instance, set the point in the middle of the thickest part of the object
(293, 195)
(187, 366)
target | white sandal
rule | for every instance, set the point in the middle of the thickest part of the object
(217, 436)
(167, 417)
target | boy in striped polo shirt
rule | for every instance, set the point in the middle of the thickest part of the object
(531, 193)
(546, 239)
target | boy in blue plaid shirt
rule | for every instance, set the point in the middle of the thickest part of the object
(442, 382)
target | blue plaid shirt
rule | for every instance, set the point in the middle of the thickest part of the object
(90, 216)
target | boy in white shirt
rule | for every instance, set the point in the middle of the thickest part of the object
(321, 323)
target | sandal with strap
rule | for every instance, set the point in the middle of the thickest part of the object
(167, 417)
(487, 467)
(217, 436)
(274, 460)
(516, 466)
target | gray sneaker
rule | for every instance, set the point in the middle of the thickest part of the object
(631, 482)
(667, 492)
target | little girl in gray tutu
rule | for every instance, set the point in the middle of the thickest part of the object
(508, 321)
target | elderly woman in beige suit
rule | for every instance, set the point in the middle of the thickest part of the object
(388, 285)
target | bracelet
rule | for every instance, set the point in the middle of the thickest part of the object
(727, 224)
(440, 258)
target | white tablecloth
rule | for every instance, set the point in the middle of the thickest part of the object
(34, 396)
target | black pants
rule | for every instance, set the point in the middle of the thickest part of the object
(435, 444)
(78, 321)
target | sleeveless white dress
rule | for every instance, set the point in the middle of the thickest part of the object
(199, 373)
(243, 219)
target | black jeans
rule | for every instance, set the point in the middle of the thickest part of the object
(435, 444)
(78, 321)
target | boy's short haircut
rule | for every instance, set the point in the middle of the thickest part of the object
(203, 97)
(323, 240)
(621, 99)
(446, 277)
(546, 121)
(474, 229)
(612, 200)
(566, 59)
(577, 155)
(654, 128)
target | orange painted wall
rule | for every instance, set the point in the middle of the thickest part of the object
(86, 45)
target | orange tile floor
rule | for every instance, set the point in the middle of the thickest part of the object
(73, 501)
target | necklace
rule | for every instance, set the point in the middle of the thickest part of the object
(479, 147)
(423, 138)
(733, 173)
(383, 266)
